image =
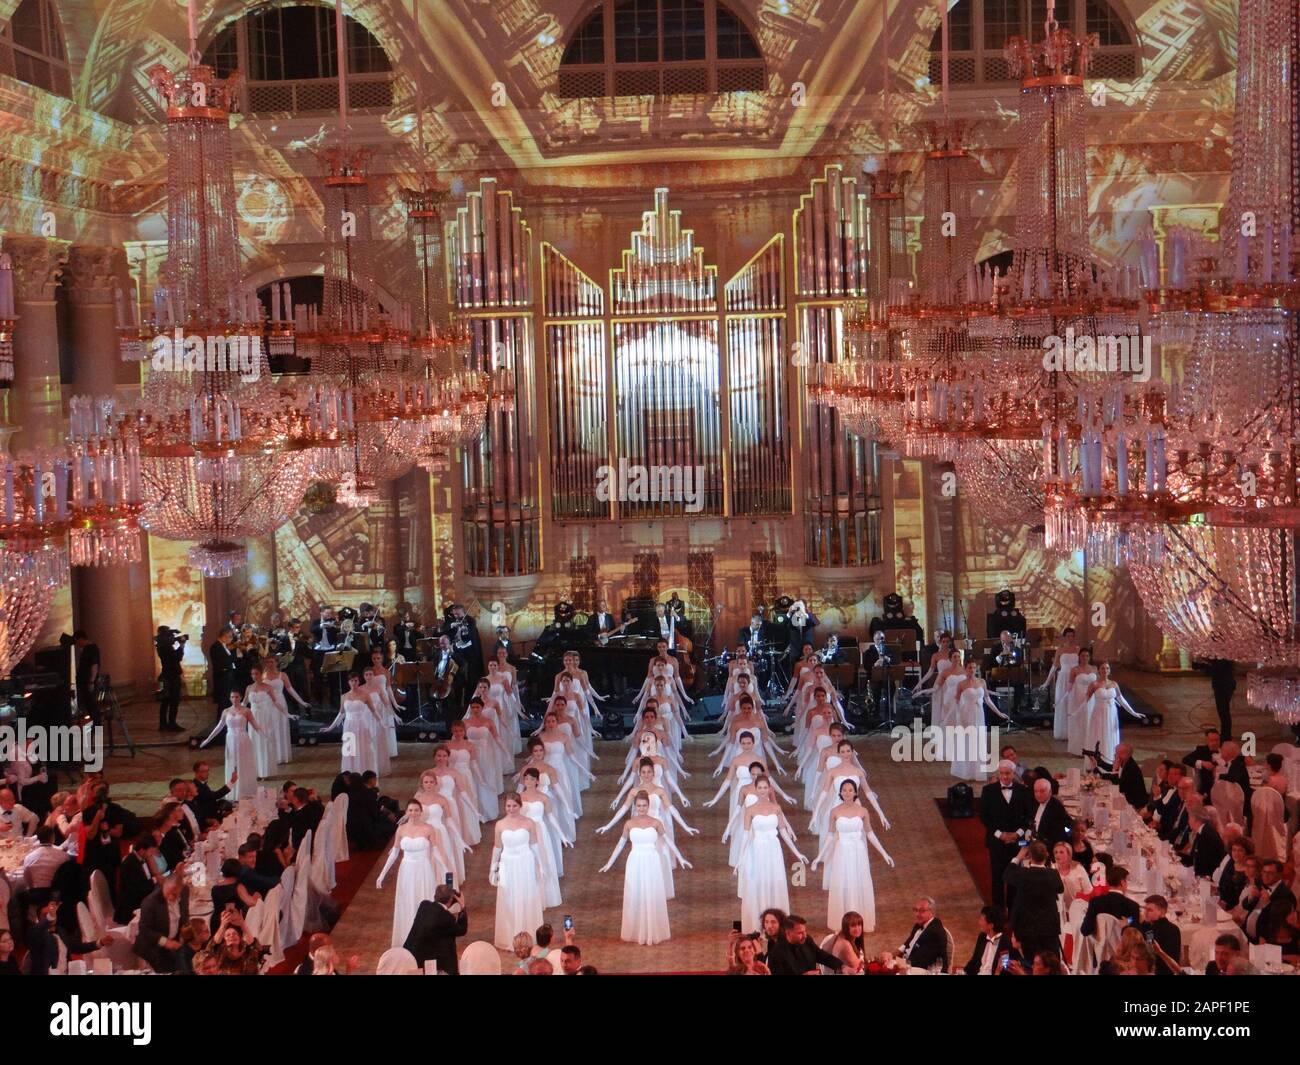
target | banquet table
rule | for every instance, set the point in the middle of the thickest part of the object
(12, 854)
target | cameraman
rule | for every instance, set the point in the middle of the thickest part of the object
(170, 646)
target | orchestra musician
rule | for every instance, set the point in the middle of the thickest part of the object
(800, 626)
(1007, 655)
(371, 622)
(878, 653)
(603, 624)
(757, 632)
(465, 642)
(447, 671)
(406, 631)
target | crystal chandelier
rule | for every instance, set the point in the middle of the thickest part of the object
(106, 491)
(24, 606)
(8, 317)
(34, 518)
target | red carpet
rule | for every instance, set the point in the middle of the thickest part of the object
(968, 834)
(348, 878)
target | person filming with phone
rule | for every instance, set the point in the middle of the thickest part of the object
(437, 926)
(1162, 935)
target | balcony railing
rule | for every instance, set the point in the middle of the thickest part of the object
(365, 92)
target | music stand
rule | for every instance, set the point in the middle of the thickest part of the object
(419, 674)
(1010, 676)
(338, 663)
(891, 676)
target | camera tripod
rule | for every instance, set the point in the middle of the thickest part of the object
(110, 713)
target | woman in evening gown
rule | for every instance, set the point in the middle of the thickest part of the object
(260, 700)
(1081, 679)
(1067, 657)
(241, 759)
(848, 862)
(516, 873)
(356, 717)
(440, 815)
(661, 809)
(280, 686)
(968, 705)
(645, 896)
(760, 866)
(537, 808)
(424, 864)
(1101, 715)
(459, 788)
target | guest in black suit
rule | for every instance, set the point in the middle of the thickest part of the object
(1235, 771)
(1036, 908)
(1267, 907)
(1168, 809)
(1005, 809)
(1226, 947)
(1128, 775)
(1202, 761)
(305, 817)
(791, 954)
(436, 927)
(1223, 682)
(1162, 933)
(1114, 902)
(137, 878)
(991, 945)
(1206, 850)
(170, 646)
(162, 914)
(221, 669)
(205, 802)
(1048, 819)
(927, 943)
(49, 942)
(173, 844)
(370, 826)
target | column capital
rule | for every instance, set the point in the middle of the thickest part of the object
(91, 274)
(37, 265)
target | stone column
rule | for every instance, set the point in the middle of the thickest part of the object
(36, 405)
(112, 603)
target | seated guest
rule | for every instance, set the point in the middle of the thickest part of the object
(1205, 762)
(927, 944)
(794, 955)
(1276, 777)
(1162, 934)
(1168, 816)
(1048, 821)
(206, 797)
(990, 943)
(1205, 850)
(50, 943)
(1048, 963)
(231, 950)
(1234, 876)
(1134, 955)
(43, 860)
(1035, 905)
(1287, 934)
(230, 893)
(1226, 947)
(370, 826)
(254, 883)
(1264, 906)
(194, 937)
(1008, 754)
(16, 821)
(137, 877)
(275, 852)
(744, 958)
(8, 963)
(1126, 773)
(1113, 902)
(174, 844)
(305, 817)
(1079, 845)
(162, 914)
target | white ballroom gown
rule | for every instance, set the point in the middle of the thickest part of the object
(241, 756)
(519, 895)
(1101, 723)
(762, 883)
(265, 714)
(645, 903)
(969, 714)
(848, 877)
(549, 848)
(1066, 660)
(283, 744)
(1077, 724)
(416, 881)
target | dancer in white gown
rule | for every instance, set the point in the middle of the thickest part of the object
(465, 759)
(665, 774)
(760, 868)
(661, 809)
(281, 686)
(1067, 657)
(516, 873)
(938, 691)
(493, 757)
(260, 700)
(738, 775)
(424, 864)
(385, 723)
(561, 752)
(356, 717)
(383, 683)
(645, 896)
(241, 759)
(552, 784)
(1081, 678)
(848, 862)
(499, 690)
(459, 788)
(969, 700)
(537, 808)
(441, 815)
(839, 767)
(1101, 715)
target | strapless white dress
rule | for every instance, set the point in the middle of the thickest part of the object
(969, 716)
(487, 797)
(466, 816)
(738, 830)
(265, 714)
(1077, 723)
(241, 756)
(1061, 695)
(417, 878)
(848, 876)
(762, 883)
(1101, 723)
(283, 740)
(451, 843)
(519, 895)
(552, 863)
(645, 903)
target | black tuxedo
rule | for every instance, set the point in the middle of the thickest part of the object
(797, 637)
(1115, 903)
(1002, 815)
(405, 633)
(1238, 774)
(221, 666)
(1207, 851)
(1204, 777)
(134, 886)
(43, 943)
(205, 802)
(306, 818)
(873, 656)
(787, 959)
(174, 847)
(598, 623)
(1169, 811)
(1170, 939)
(1035, 911)
(1054, 826)
(1132, 784)
(927, 948)
(1002, 945)
(433, 935)
(154, 926)
(368, 828)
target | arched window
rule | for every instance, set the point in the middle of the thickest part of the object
(660, 48)
(978, 31)
(31, 48)
(287, 57)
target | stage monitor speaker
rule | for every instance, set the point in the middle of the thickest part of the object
(961, 801)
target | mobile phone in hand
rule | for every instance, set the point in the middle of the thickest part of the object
(568, 922)
(449, 880)
(735, 926)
